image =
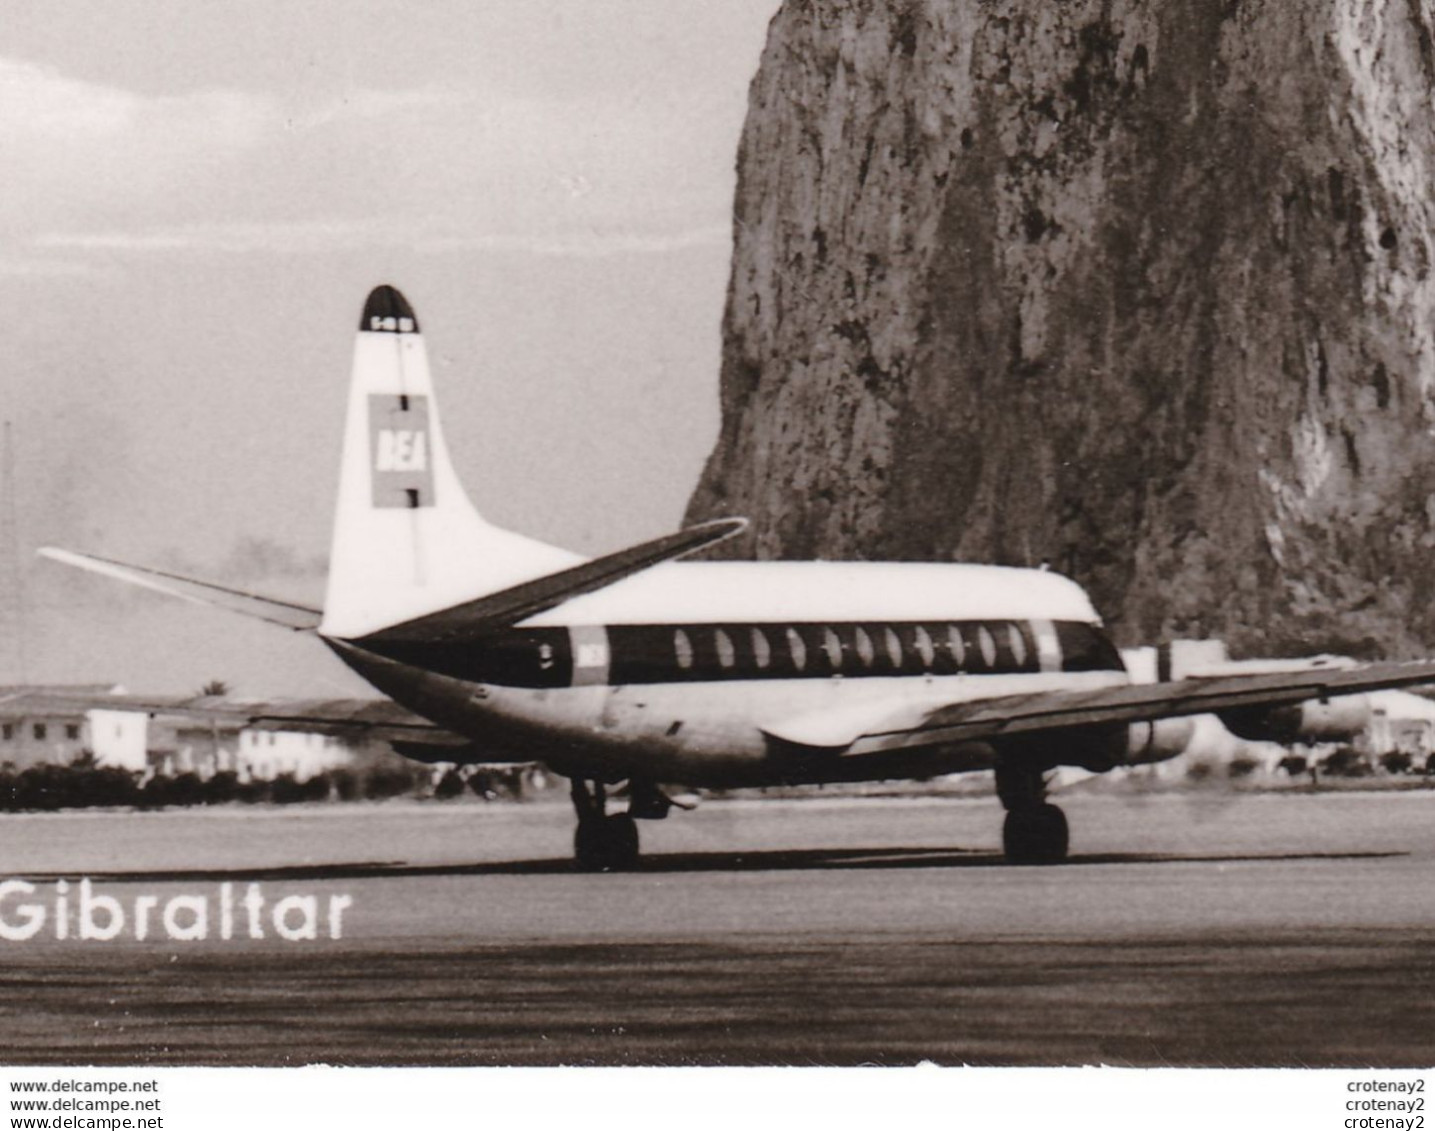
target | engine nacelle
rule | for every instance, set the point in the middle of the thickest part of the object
(1158, 740)
(1314, 720)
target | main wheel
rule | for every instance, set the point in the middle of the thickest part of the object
(606, 844)
(1035, 834)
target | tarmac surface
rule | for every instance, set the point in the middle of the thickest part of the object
(1188, 929)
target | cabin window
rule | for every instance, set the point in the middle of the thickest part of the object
(988, 646)
(1018, 645)
(865, 651)
(761, 649)
(957, 646)
(72, 730)
(727, 655)
(832, 647)
(925, 648)
(39, 730)
(894, 646)
(798, 649)
(683, 648)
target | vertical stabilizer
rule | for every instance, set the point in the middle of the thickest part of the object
(407, 541)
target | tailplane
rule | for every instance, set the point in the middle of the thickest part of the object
(407, 541)
(412, 558)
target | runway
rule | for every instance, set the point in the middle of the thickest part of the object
(1200, 929)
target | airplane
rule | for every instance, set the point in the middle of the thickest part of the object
(637, 668)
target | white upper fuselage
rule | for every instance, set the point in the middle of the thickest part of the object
(786, 592)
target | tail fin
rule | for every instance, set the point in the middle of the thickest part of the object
(407, 541)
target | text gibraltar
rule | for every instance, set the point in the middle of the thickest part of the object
(81, 913)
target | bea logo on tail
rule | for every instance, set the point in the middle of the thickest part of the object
(399, 450)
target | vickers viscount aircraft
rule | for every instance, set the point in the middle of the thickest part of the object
(637, 668)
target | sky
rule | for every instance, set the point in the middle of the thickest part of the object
(197, 199)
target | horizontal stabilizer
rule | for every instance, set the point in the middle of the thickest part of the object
(509, 606)
(297, 617)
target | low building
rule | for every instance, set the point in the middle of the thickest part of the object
(1400, 723)
(266, 753)
(46, 724)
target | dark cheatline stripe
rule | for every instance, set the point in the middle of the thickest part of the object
(704, 653)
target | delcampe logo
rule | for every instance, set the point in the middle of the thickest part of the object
(400, 450)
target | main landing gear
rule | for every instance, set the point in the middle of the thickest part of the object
(603, 841)
(1035, 831)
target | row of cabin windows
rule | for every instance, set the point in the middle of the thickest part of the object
(871, 647)
(39, 730)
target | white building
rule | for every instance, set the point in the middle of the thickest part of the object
(266, 753)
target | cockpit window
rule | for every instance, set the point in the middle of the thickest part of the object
(1085, 648)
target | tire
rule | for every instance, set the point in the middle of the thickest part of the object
(606, 844)
(1036, 834)
(623, 841)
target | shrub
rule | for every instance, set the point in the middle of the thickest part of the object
(1294, 764)
(449, 786)
(1396, 762)
(288, 790)
(346, 783)
(391, 780)
(1345, 763)
(47, 787)
(223, 786)
(1241, 766)
(182, 789)
(318, 788)
(109, 785)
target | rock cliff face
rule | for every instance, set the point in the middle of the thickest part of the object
(1141, 289)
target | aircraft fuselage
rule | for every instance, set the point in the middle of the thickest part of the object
(687, 702)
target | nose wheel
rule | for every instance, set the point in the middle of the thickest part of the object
(1035, 831)
(603, 841)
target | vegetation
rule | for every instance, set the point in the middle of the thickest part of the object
(1346, 762)
(83, 784)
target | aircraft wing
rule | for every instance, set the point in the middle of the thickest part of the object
(897, 726)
